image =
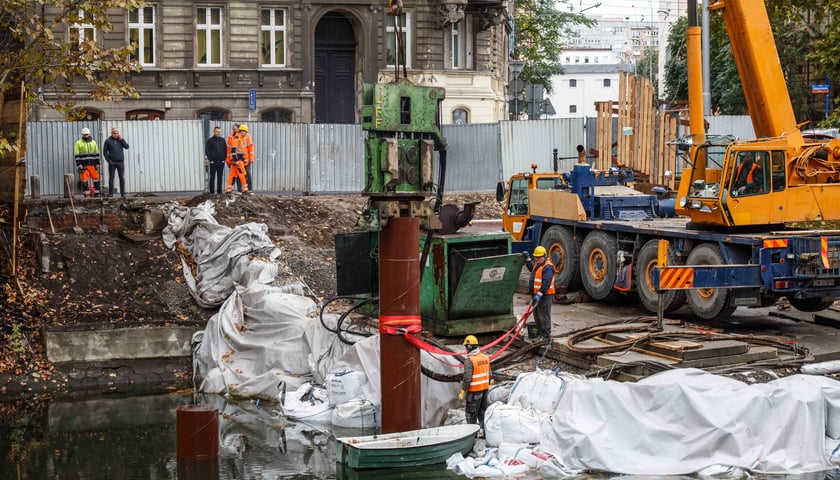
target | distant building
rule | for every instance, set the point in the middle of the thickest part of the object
(576, 91)
(304, 61)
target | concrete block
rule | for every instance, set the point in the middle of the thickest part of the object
(121, 343)
(153, 220)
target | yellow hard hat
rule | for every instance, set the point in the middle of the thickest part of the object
(243, 128)
(470, 340)
(539, 251)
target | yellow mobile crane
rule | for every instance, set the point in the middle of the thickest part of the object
(789, 180)
(731, 237)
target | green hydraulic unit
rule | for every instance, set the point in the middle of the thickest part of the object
(468, 283)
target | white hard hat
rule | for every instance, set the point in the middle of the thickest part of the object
(85, 131)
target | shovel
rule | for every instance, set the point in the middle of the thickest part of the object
(77, 228)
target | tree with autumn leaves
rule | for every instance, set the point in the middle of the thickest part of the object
(47, 45)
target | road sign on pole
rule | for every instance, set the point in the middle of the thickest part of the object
(252, 99)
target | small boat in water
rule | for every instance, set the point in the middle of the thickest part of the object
(417, 447)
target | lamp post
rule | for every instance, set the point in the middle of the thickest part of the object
(515, 86)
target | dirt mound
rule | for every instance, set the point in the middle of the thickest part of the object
(107, 280)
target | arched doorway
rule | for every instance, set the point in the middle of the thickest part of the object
(335, 70)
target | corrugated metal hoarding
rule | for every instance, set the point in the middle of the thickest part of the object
(532, 141)
(473, 159)
(49, 152)
(738, 125)
(337, 158)
(281, 154)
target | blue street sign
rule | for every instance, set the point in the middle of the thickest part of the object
(819, 88)
(252, 99)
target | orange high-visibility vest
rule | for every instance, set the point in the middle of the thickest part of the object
(481, 372)
(538, 279)
(749, 174)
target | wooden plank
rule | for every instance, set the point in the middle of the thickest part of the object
(754, 354)
(828, 318)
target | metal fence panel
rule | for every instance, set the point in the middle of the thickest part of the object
(337, 158)
(738, 125)
(163, 156)
(49, 152)
(473, 159)
(281, 155)
(532, 141)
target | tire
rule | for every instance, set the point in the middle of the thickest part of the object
(810, 304)
(564, 251)
(599, 265)
(647, 258)
(711, 304)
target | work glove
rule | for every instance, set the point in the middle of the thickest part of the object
(526, 256)
(461, 395)
(537, 298)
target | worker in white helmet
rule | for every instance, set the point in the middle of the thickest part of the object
(86, 153)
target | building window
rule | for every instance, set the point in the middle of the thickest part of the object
(212, 114)
(273, 37)
(391, 28)
(145, 115)
(572, 83)
(459, 44)
(585, 59)
(141, 34)
(572, 108)
(91, 114)
(606, 82)
(277, 116)
(460, 116)
(83, 30)
(209, 36)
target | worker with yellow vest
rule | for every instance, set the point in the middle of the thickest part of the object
(541, 285)
(476, 382)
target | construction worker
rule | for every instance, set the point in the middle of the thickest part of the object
(541, 285)
(236, 162)
(86, 153)
(748, 177)
(248, 145)
(476, 382)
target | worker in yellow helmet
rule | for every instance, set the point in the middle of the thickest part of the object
(541, 286)
(476, 382)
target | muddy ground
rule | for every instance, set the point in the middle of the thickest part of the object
(128, 278)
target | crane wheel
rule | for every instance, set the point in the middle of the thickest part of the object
(564, 251)
(599, 265)
(646, 260)
(711, 304)
(810, 304)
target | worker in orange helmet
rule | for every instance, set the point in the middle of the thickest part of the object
(86, 154)
(248, 147)
(541, 285)
(236, 162)
(476, 382)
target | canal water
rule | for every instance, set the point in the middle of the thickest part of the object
(135, 438)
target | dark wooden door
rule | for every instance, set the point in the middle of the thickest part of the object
(335, 69)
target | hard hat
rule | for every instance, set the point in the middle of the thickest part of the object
(243, 127)
(470, 340)
(539, 251)
(85, 131)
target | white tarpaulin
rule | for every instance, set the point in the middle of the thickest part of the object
(250, 354)
(216, 258)
(682, 421)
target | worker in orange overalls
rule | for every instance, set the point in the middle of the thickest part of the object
(248, 145)
(86, 154)
(476, 382)
(236, 163)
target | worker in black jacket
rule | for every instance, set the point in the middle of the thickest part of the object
(215, 152)
(112, 150)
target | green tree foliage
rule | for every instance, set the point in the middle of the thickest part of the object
(42, 49)
(807, 41)
(648, 67)
(540, 29)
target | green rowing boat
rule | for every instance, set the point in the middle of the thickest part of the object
(417, 447)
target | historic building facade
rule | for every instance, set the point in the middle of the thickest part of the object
(302, 61)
